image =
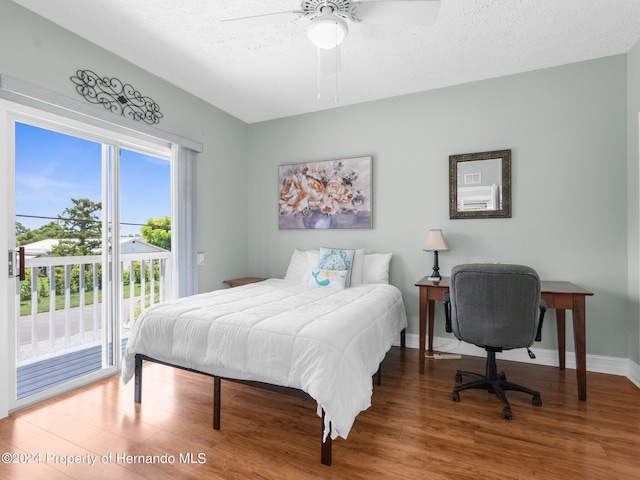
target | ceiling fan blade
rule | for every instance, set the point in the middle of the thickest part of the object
(259, 20)
(330, 60)
(399, 12)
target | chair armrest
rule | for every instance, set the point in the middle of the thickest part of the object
(447, 312)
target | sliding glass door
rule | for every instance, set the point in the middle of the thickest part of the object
(63, 326)
(90, 220)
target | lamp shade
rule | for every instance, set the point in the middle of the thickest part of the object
(435, 242)
(327, 31)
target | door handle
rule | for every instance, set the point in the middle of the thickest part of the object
(21, 262)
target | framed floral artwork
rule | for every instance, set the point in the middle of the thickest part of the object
(327, 194)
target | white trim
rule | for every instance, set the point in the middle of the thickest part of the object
(595, 363)
(7, 222)
(24, 89)
(68, 126)
(115, 320)
(633, 372)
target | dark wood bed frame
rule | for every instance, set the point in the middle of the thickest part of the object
(325, 445)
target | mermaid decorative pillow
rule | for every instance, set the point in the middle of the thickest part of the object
(328, 278)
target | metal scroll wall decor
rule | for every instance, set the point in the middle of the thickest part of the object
(116, 96)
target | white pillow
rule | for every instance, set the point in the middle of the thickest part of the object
(328, 278)
(300, 265)
(358, 266)
(297, 266)
(337, 259)
(312, 262)
(376, 268)
(367, 268)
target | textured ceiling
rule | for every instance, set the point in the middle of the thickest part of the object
(271, 71)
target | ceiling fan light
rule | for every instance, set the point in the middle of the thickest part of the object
(327, 31)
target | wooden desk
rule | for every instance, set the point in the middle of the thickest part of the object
(561, 296)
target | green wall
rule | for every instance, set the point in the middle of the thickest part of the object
(567, 129)
(633, 178)
(41, 53)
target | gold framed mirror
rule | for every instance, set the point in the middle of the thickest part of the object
(480, 185)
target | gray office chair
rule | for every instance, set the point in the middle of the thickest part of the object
(497, 307)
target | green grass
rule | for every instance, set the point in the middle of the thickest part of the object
(43, 302)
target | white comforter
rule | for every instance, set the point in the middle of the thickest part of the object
(325, 342)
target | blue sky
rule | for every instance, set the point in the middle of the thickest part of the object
(52, 168)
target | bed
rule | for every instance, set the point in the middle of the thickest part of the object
(321, 343)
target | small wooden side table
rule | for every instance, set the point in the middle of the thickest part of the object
(238, 282)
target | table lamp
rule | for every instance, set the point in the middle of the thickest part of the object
(435, 243)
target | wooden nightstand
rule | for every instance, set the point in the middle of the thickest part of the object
(238, 282)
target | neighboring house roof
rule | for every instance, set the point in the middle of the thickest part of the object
(138, 245)
(41, 248)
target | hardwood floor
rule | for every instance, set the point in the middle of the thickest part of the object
(412, 429)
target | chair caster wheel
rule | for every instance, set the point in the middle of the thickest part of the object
(455, 396)
(458, 378)
(536, 401)
(506, 413)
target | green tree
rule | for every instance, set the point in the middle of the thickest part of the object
(20, 229)
(158, 232)
(82, 229)
(50, 230)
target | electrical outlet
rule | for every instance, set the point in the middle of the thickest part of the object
(200, 258)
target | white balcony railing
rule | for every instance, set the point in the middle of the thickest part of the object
(67, 281)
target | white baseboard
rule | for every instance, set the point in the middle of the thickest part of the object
(595, 363)
(633, 373)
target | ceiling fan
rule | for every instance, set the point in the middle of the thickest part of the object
(328, 18)
(328, 25)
